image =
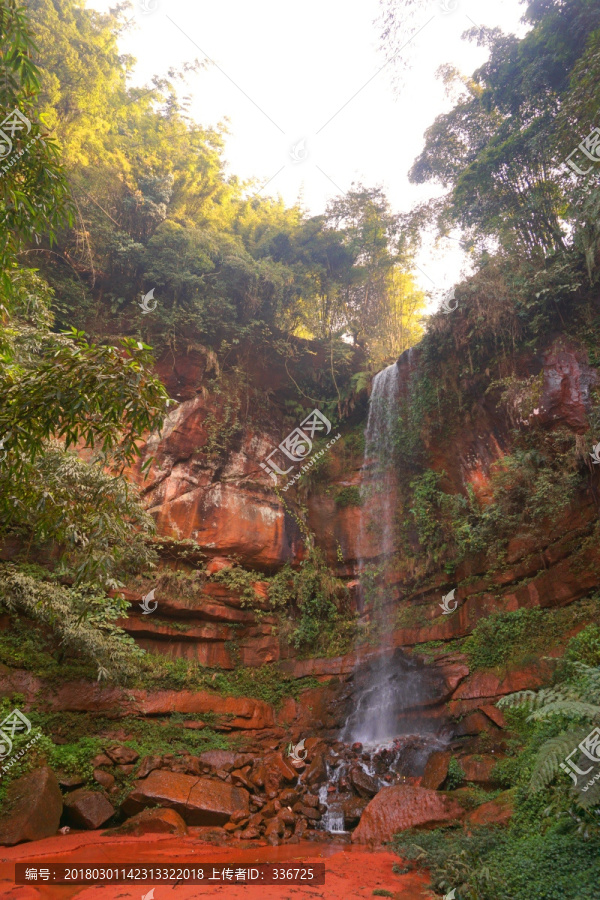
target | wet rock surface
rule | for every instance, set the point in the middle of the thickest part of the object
(32, 808)
(200, 801)
(402, 807)
(87, 809)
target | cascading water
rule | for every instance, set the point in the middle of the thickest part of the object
(391, 740)
(373, 718)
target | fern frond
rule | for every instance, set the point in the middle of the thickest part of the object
(519, 698)
(551, 755)
(572, 709)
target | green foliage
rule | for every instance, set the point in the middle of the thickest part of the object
(95, 519)
(532, 485)
(494, 638)
(348, 496)
(514, 637)
(456, 775)
(242, 581)
(315, 596)
(503, 137)
(34, 196)
(81, 617)
(571, 706)
(585, 646)
(489, 863)
(88, 394)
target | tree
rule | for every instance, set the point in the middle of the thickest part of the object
(497, 148)
(62, 386)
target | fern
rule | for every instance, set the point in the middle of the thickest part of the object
(551, 754)
(571, 709)
(576, 700)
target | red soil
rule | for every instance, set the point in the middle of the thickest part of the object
(352, 873)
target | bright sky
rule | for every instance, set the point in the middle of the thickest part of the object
(308, 110)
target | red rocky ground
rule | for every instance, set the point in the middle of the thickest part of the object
(351, 873)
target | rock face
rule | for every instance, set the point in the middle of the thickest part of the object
(436, 770)
(200, 801)
(399, 808)
(87, 809)
(33, 807)
(153, 821)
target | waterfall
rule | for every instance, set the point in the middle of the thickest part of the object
(374, 717)
(391, 737)
(379, 488)
(388, 735)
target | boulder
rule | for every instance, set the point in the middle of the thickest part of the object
(200, 801)
(147, 765)
(249, 834)
(104, 779)
(153, 821)
(289, 796)
(401, 807)
(122, 755)
(353, 809)
(364, 785)
(69, 782)
(240, 777)
(317, 770)
(87, 809)
(307, 812)
(275, 827)
(494, 812)
(496, 715)
(279, 770)
(219, 759)
(479, 769)
(33, 807)
(436, 770)
(101, 760)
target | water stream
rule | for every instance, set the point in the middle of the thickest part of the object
(373, 720)
(390, 735)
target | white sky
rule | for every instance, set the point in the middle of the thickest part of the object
(282, 70)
